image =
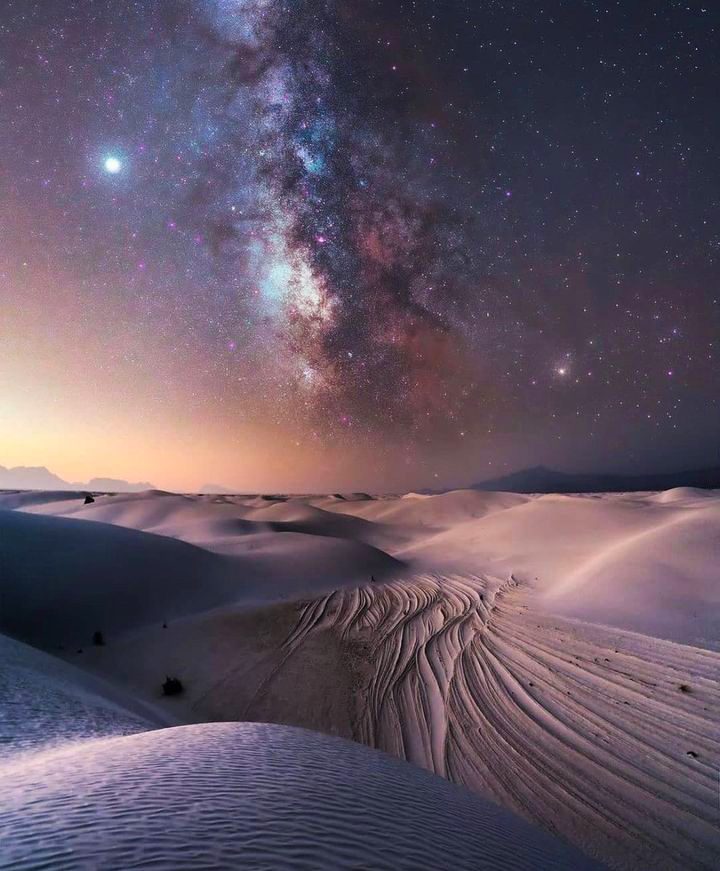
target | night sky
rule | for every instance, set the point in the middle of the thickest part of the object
(374, 245)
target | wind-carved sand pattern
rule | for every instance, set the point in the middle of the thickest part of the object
(577, 727)
(456, 657)
(254, 796)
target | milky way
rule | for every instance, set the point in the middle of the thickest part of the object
(451, 238)
(349, 233)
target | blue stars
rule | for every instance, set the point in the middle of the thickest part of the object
(112, 164)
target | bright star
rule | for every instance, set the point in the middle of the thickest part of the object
(112, 165)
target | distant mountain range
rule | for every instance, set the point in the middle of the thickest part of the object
(40, 478)
(535, 480)
(541, 480)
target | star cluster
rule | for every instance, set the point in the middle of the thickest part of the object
(438, 240)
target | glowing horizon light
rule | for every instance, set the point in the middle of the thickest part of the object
(112, 164)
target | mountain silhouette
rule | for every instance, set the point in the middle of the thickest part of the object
(540, 479)
(41, 478)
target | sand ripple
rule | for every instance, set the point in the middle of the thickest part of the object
(583, 730)
(253, 796)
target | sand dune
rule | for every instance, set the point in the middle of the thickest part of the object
(221, 796)
(579, 728)
(663, 581)
(498, 647)
(685, 495)
(217, 523)
(70, 577)
(254, 796)
(45, 499)
(45, 702)
(442, 511)
(586, 734)
(648, 564)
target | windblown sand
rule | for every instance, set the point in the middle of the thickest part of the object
(558, 655)
(255, 796)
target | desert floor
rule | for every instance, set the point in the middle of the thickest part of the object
(556, 655)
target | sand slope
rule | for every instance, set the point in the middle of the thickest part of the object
(608, 738)
(253, 796)
(663, 581)
(63, 578)
(45, 702)
(644, 562)
(222, 523)
(647, 563)
(434, 512)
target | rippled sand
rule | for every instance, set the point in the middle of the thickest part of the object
(558, 655)
(253, 796)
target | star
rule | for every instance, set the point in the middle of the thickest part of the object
(112, 164)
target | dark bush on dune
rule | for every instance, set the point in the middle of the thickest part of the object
(172, 686)
(89, 499)
(98, 639)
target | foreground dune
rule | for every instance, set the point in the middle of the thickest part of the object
(493, 639)
(254, 796)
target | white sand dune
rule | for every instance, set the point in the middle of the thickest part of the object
(649, 564)
(47, 500)
(608, 738)
(217, 524)
(236, 525)
(499, 646)
(684, 495)
(254, 796)
(663, 581)
(45, 702)
(70, 577)
(586, 733)
(442, 511)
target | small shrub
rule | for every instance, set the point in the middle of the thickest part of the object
(172, 686)
(97, 638)
(89, 499)
(684, 688)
